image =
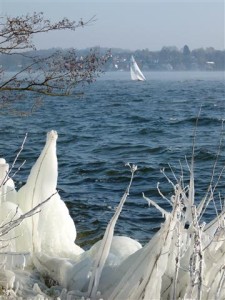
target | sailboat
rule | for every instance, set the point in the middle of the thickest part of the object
(135, 71)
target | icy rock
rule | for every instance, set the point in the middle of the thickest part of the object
(121, 248)
(75, 274)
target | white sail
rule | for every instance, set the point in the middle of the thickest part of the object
(135, 71)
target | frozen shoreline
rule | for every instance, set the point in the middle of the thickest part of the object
(40, 260)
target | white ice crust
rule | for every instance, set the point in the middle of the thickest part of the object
(40, 251)
(46, 240)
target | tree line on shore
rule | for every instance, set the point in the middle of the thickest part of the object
(171, 58)
(166, 59)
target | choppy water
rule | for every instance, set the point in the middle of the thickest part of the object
(117, 121)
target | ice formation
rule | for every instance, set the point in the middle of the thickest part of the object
(40, 260)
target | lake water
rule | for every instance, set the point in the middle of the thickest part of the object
(150, 124)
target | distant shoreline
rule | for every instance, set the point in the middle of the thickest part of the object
(167, 59)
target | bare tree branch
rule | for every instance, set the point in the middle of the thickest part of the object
(56, 74)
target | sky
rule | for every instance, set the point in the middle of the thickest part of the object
(129, 24)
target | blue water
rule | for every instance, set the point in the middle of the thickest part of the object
(117, 121)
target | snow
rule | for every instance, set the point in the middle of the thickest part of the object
(39, 257)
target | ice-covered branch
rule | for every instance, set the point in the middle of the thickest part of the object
(7, 227)
(103, 252)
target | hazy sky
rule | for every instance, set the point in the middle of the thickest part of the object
(133, 24)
